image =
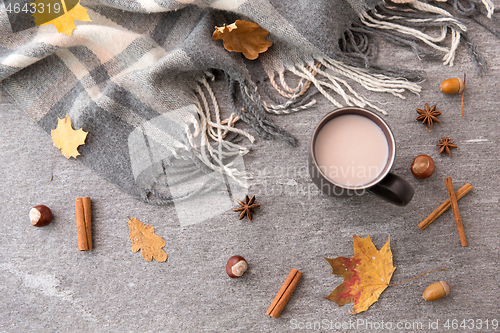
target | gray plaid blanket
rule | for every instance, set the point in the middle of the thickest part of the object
(137, 77)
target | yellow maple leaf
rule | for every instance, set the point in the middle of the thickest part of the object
(66, 138)
(143, 238)
(366, 275)
(64, 22)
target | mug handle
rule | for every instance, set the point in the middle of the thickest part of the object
(394, 189)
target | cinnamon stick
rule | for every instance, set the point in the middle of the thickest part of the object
(88, 220)
(456, 212)
(444, 207)
(284, 293)
(83, 223)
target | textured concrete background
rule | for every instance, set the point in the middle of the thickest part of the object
(47, 285)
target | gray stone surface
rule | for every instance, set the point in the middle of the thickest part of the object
(47, 285)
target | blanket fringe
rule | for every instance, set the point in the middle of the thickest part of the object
(328, 76)
(372, 82)
(402, 25)
(490, 7)
(248, 105)
(218, 153)
(297, 100)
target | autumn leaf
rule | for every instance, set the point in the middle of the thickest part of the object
(66, 138)
(45, 13)
(243, 36)
(366, 274)
(143, 238)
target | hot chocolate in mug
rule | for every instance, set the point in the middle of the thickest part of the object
(352, 151)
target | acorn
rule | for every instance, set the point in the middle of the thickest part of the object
(436, 291)
(452, 86)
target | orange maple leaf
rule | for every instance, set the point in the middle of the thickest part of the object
(143, 238)
(243, 36)
(366, 275)
(66, 138)
(63, 22)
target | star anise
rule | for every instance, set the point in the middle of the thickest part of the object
(246, 207)
(428, 116)
(446, 145)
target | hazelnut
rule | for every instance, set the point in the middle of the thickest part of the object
(236, 266)
(40, 215)
(422, 166)
(436, 291)
(452, 86)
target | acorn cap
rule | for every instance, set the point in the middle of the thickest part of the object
(446, 287)
(436, 291)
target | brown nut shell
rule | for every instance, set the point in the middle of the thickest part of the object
(436, 291)
(452, 86)
(422, 166)
(236, 266)
(40, 215)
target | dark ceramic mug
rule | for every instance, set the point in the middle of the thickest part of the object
(386, 185)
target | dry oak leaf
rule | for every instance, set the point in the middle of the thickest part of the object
(66, 138)
(366, 274)
(65, 22)
(143, 238)
(243, 36)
